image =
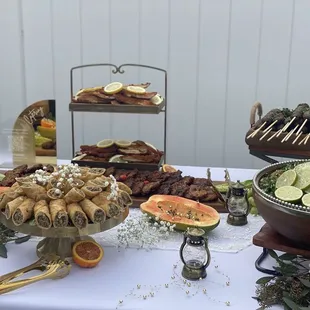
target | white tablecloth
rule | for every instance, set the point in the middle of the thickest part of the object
(230, 282)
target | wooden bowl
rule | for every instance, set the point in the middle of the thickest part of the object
(290, 220)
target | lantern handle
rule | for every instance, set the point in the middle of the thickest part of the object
(208, 255)
(181, 249)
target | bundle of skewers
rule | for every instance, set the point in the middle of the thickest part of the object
(280, 128)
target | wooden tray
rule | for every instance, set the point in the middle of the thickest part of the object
(269, 239)
(44, 152)
(127, 166)
(121, 108)
(217, 205)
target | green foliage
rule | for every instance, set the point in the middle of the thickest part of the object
(291, 289)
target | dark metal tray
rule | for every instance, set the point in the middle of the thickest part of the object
(127, 166)
(121, 108)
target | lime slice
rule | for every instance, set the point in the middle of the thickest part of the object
(289, 193)
(157, 99)
(287, 178)
(105, 143)
(113, 88)
(302, 166)
(123, 143)
(303, 178)
(136, 89)
(306, 200)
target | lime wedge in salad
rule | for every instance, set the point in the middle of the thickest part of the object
(289, 193)
(287, 178)
(303, 178)
(306, 200)
(300, 167)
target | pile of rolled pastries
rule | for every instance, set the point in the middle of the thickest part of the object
(70, 196)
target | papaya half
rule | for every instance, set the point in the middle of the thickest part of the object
(182, 212)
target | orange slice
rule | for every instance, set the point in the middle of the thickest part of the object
(123, 143)
(135, 89)
(105, 143)
(87, 254)
(168, 168)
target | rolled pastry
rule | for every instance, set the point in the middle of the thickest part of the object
(124, 199)
(75, 183)
(111, 208)
(98, 182)
(77, 215)
(55, 183)
(59, 213)
(4, 199)
(74, 195)
(94, 213)
(22, 180)
(95, 172)
(124, 188)
(54, 193)
(15, 192)
(24, 212)
(34, 191)
(42, 215)
(91, 191)
(12, 205)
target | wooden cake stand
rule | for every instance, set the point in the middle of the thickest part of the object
(267, 238)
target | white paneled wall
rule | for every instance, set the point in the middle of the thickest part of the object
(221, 56)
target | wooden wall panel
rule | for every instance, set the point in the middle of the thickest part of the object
(274, 56)
(95, 30)
(66, 28)
(183, 79)
(212, 72)
(221, 57)
(241, 80)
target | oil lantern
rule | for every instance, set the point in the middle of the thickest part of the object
(195, 254)
(237, 205)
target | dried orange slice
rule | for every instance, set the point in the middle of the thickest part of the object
(135, 89)
(113, 88)
(168, 168)
(47, 123)
(87, 253)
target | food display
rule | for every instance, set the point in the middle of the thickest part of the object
(118, 94)
(281, 129)
(65, 196)
(181, 212)
(45, 137)
(281, 194)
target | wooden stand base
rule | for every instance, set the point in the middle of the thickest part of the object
(267, 238)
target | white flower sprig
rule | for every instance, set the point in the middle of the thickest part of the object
(114, 189)
(145, 231)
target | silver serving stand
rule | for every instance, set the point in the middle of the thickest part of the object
(122, 108)
(59, 241)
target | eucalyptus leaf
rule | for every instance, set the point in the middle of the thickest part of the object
(305, 282)
(305, 292)
(273, 254)
(286, 307)
(287, 257)
(3, 251)
(304, 308)
(22, 239)
(291, 303)
(264, 280)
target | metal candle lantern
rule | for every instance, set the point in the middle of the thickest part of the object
(195, 254)
(237, 205)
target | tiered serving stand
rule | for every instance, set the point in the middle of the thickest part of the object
(122, 108)
(59, 241)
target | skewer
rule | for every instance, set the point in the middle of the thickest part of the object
(270, 126)
(307, 138)
(290, 133)
(304, 139)
(303, 124)
(286, 126)
(265, 134)
(274, 135)
(297, 138)
(253, 134)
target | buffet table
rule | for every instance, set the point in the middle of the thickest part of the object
(133, 278)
